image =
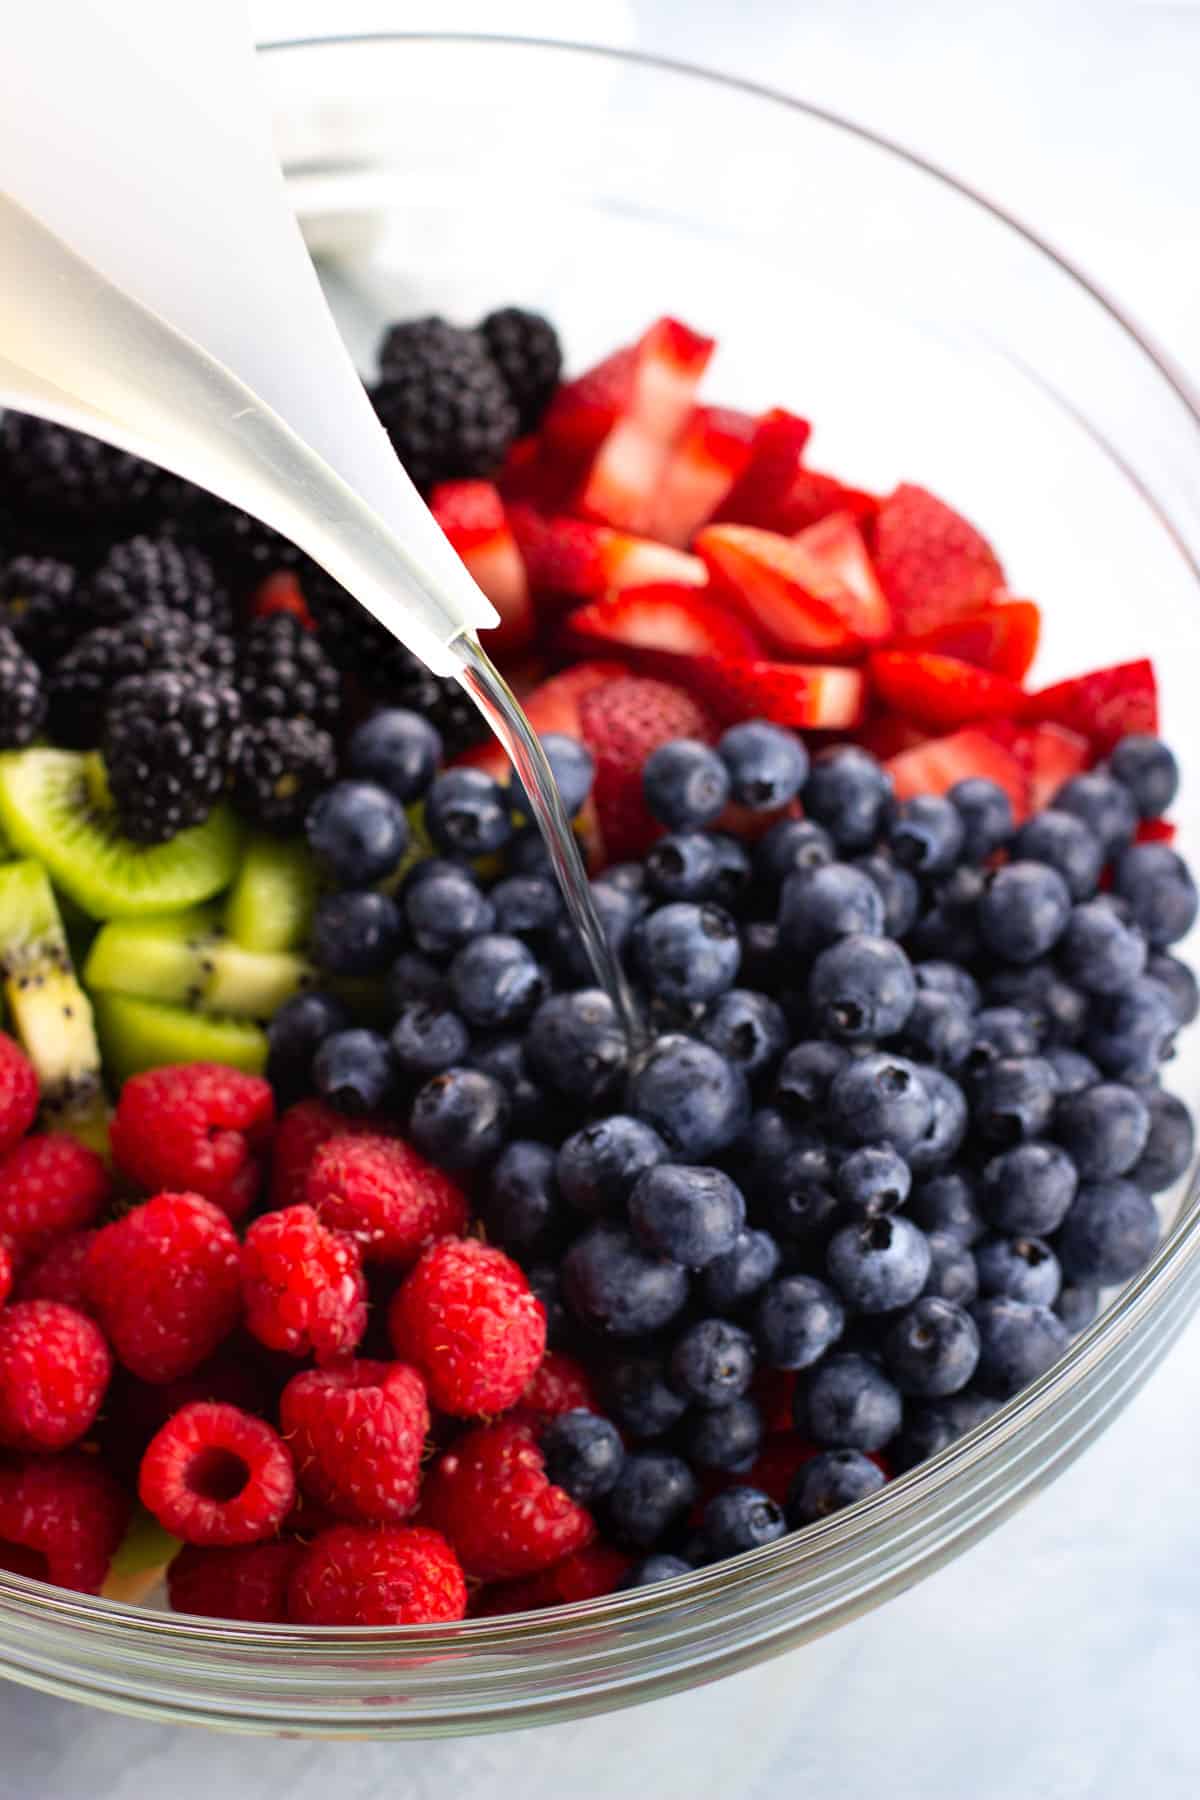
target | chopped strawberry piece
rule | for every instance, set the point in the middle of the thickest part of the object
(631, 462)
(1001, 637)
(554, 706)
(935, 767)
(584, 411)
(575, 557)
(471, 513)
(1155, 831)
(1052, 755)
(789, 594)
(776, 492)
(280, 593)
(806, 696)
(1103, 706)
(942, 691)
(836, 545)
(933, 565)
(621, 722)
(665, 616)
(703, 467)
(535, 474)
(888, 733)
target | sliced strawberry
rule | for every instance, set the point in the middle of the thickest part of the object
(471, 513)
(535, 474)
(621, 722)
(888, 733)
(932, 564)
(781, 589)
(553, 706)
(703, 467)
(806, 696)
(1102, 706)
(836, 546)
(280, 593)
(1155, 831)
(584, 410)
(776, 492)
(935, 767)
(574, 557)
(1001, 637)
(1052, 755)
(665, 616)
(942, 691)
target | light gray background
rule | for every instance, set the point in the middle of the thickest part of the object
(1060, 1658)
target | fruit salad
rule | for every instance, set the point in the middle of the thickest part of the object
(355, 1268)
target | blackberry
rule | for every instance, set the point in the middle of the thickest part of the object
(169, 742)
(359, 645)
(241, 546)
(159, 572)
(41, 604)
(280, 768)
(283, 673)
(442, 401)
(159, 639)
(49, 468)
(22, 702)
(525, 348)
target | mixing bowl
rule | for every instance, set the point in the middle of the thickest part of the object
(928, 336)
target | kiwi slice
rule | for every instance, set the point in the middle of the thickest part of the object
(270, 905)
(54, 805)
(188, 958)
(145, 1034)
(48, 1011)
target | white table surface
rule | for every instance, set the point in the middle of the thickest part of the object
(1059, 1659)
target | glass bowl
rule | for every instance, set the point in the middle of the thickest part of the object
(930, 337)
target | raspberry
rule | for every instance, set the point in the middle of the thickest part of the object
(54, 1369)
(356, 1434)
(136, 1410)
(301, 1131)
(49, 1185)
(490, 1495)
(217, 1475)
(467, 1318)
(58, 1272)
(389, 1199)
(377, 1575)
(558, 1385)
(303, 1285)
(247, 1583)
(195, 1127)
(584, 1575)
(163, 1282)
(62, 1519)
(18, 1093)
(6, 1271)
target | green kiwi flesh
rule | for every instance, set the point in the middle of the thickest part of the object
(270, 905)
(138, 1034)
(189, 959)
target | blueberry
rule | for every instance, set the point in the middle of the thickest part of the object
(724, 1437)
(1073, 1071)
(1077, 1306)
(740, 1272)
(356, 933)
(1179, 982)
(850, 794)
(950, 978)
(683, 866)
(760, 955)
(819, 906)
(878, 1264)
(527, 854)
(685, 784)
(571, 765)
(986, 814)
(1145, 766)
(1099, 952)
(946, 1203)
(952, 1272)
(446, 910)
(1104, 805)
(689, 1215)
(932, 1349)
(1056, 1011)
(712, 1363)
(497, 981)
(797, 1319)
(544, 1286)
(414, 976)
(740, 1519)
(768, 1139)
(599, 1165)
(1065, 843)
(767, 766)
(878, 1097)
(616, 909)
(1104, 1129)
(939, 1029)
(942, 1138)
(748, 1029)
(575, 1044)
(467, 813)
(848, 1403)
(1021, 1268)
(1131, 1033)
(460, 1118)
(734, 873)
(873, 1179)
(898, 889)
(1162, 896)
(947, 930)
(1027, 1190)
(612, 1284)
(1013, 1100)
(397, 749)
(1169, 1146)
(584, 1454)
(791, 845)
(999, 1032)
(638, 1397)
(503, 1058)
(696, 1100)
(1017, 1343)
(927, 834)
(862, 988)
(651, 1494)
(829, 1482)
(295, 1034)
(426, 1039)
(358, 830)
(1109, 1234)
(526, 905)
(653, 1569)
(799, 1198)
(522, 1209)
(1023, 911)
(352, 1070)
(687, 954)
(931, 1426)
(805, 1077)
